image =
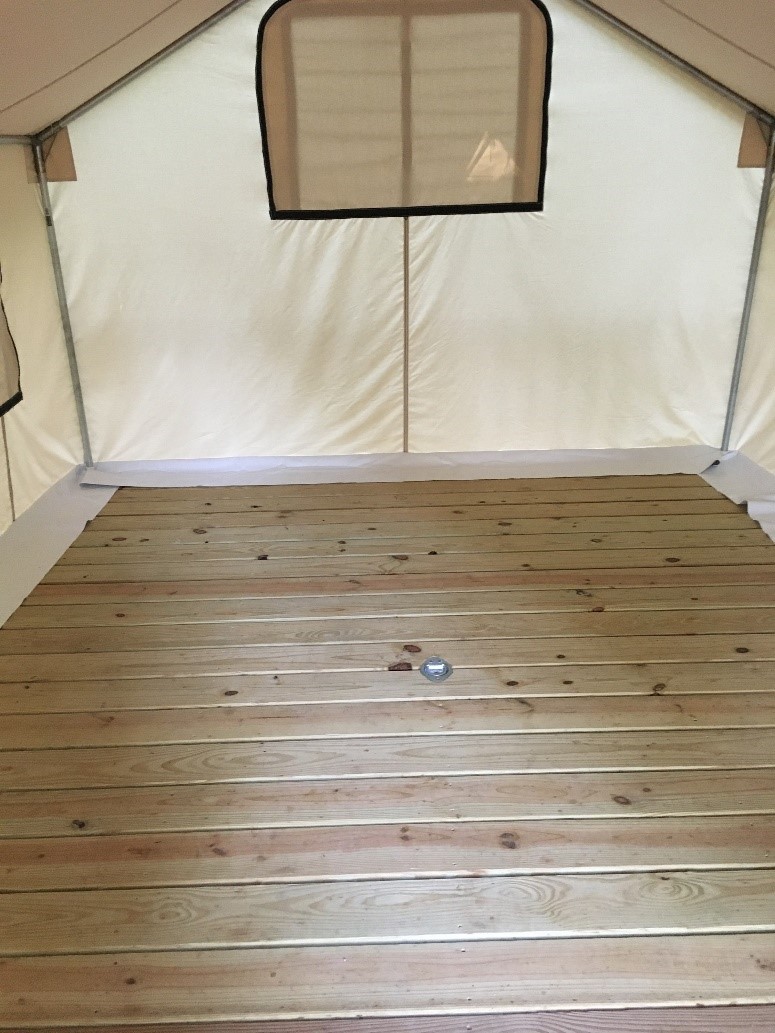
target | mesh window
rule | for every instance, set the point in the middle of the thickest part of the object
(400, 107)
(10, 388)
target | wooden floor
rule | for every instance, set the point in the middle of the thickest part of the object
(228, 795)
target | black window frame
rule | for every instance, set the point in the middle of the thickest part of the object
(407, 210)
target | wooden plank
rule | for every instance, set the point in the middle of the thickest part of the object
(221, 660)
(324, 982)
(424, 486)
(740, 1019)
(402, 851)
(460, 910)
(418, 514)
(335, 608)
(89, 813)
(58, 697)
(284, 797)
(207, 502)
(153, 538)
(533, 580)
(457, 629)
(408, 756)
(420, 717)
(168, 569)
(205, 551)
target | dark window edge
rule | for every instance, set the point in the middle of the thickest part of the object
(17, 397)
(6, 407)
(308, 215)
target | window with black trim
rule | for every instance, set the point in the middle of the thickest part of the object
(404, 107)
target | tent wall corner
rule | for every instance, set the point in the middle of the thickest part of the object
(753, 430)
(42, 437)
(751, 290)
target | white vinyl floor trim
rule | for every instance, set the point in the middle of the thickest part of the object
(403, 467)
(36, 540)
(39, 537)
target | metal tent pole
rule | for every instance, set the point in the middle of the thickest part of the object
(750, 293)
(64, 311)
(11, 498)
(762, 116)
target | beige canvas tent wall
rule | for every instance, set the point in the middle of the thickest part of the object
(205, 331)
(41, 432)
(608, 320)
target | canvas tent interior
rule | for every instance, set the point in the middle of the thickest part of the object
(613, 313)
(618, 332)
(609, 320)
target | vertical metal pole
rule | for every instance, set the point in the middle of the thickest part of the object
(8, 468)
(64, 311)
(750, 292)
(406, 333)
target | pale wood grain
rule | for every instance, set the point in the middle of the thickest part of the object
(444, 798)
(419, 717)
(263, 565)
(733, 1019)
(415, 979)
(383, 686)
(462, 910)
(207, 501)
(235, 765)
(205, 551)
(529, 580)
(336, 608)
(219, 660)
(463, 629)
(397, 851)
(419, 513)
(192, 534)
(409, 756)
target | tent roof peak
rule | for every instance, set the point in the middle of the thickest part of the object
(96, 48)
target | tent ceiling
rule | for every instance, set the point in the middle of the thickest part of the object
(57, 54)
(731, 40)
